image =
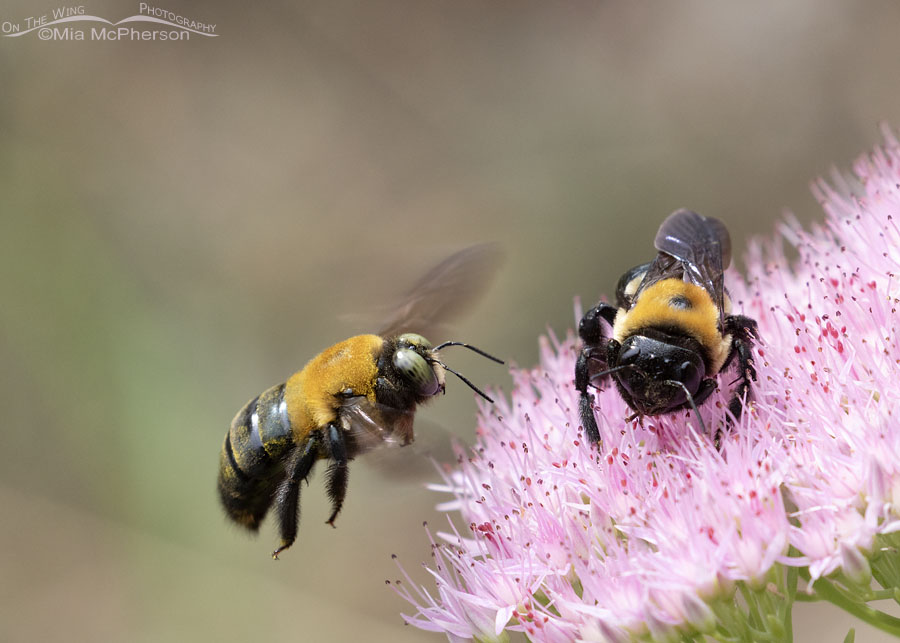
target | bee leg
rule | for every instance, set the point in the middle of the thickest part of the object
(591, 332)
(743, 330)
(338, 471)
(589, 328)
(585, 401)
(287, 496)
(706, 389)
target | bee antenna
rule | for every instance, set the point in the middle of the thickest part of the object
(471, 348)
(690, 399)
(612, 370)
(463, 378)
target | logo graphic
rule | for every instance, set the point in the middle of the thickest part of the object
(67, 23)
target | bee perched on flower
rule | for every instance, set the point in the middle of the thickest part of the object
(656, 534)
(672, 327)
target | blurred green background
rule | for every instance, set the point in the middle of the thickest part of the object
(185, 223)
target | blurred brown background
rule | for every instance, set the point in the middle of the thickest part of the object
(186, 223)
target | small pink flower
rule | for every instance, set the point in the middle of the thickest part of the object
(646, 535)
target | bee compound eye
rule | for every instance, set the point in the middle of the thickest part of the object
(690, 374)
(417, 371)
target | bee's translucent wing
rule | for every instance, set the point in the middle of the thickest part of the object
(693, 238)
(447, 291)
(694, 248)
(368, 427)
(435, 447)
(373, 425)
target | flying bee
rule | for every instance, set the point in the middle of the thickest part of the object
(350, 398)
(672, 328)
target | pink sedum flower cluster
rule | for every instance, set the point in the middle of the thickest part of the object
(654, 534)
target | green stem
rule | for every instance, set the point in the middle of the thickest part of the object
(756, 620)
(803, 597)
(772, 600)
(790, 581)
(884, 563)
(884, 570)
(728, 626)
(723, 635)
(884, 622)
(880, 595)
(763, 625)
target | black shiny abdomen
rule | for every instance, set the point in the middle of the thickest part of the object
(250, 463)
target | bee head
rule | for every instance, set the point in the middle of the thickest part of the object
(414, 360)
(659, 375)
(417, 362)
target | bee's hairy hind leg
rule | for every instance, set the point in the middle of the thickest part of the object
(743, 330)
(287, 496)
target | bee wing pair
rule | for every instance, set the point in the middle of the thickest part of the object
(694, 248)
(445, 293)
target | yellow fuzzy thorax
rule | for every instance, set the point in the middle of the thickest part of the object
(654, 308)
(311, 393)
